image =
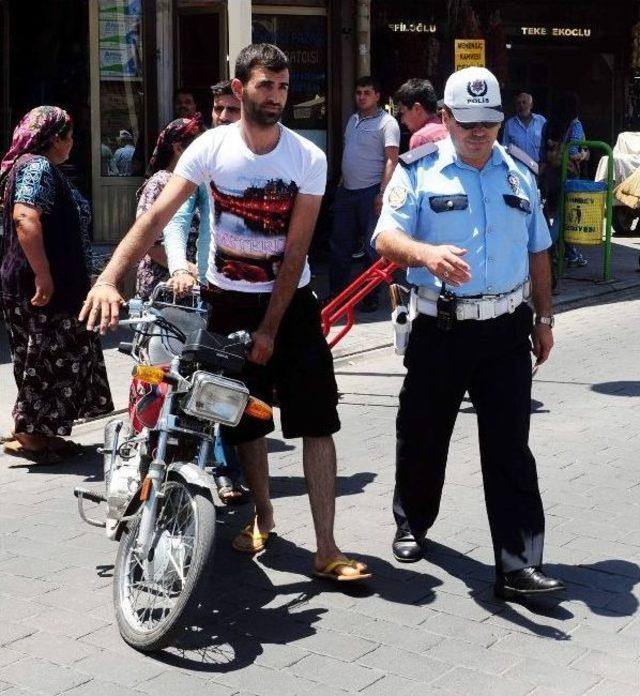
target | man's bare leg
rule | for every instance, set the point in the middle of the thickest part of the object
(319, 463)
(255, 465)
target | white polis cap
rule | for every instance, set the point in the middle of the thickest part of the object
(473, 94)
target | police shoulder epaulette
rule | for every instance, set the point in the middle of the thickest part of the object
(523, 157)
(417, 153)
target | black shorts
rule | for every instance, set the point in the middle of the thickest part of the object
(300, 369)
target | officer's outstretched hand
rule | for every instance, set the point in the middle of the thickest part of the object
(542, 343)
(445, 261)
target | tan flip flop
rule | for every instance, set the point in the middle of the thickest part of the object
(249, 541)
(332, 571)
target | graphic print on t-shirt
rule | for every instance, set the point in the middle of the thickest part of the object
(252, 198)
(251, 228)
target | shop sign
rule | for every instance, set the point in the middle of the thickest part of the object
(557, 32)
(413, 27)
(469, 53)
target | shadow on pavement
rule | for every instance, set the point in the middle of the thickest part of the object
(247, 611)
(291, 486)
(621, 388)
(87, 463)
(585, 583)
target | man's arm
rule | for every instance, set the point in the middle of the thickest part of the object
(303, 220)
(444, 260)
(390, 162)
(541, 282)
(102, 306)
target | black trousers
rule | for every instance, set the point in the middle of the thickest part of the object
(491, 360)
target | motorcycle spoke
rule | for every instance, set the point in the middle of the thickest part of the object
(152, 590)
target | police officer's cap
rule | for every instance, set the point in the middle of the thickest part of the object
(473, 95)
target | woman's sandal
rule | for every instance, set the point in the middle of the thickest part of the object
(38, 456)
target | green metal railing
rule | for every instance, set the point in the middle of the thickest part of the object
(593, 145)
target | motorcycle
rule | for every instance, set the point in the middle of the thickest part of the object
(158, 495)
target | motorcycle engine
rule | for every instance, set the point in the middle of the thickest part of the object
(122, 473)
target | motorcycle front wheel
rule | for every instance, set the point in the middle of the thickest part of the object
(155, 597)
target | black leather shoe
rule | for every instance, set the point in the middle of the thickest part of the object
(405, 547)
(526, 582)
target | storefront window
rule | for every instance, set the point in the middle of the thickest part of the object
(121, 88)
(304, 39)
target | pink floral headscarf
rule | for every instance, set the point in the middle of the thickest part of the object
(178, 131)
(33, 132)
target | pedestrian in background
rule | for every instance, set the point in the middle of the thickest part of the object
(564, 126)
(464, 217)
(526, 130)
(226, 106)
(184, 103)
(123, 156)
(172, 142)
(371, 145)
(44, 276)
(417, 109)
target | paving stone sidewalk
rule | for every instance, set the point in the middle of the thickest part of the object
(429, 628)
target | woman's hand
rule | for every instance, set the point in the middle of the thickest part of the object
(181, 283)
(44, 289)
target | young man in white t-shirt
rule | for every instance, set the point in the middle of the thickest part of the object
(266, 185)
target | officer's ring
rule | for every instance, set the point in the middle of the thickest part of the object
(445, 274)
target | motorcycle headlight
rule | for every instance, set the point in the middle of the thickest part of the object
(216, 398)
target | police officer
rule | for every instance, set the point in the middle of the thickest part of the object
(464, 216)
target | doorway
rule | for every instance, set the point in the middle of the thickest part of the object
(200, 50)
(46, 61)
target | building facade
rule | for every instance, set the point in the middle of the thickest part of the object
(115, 65)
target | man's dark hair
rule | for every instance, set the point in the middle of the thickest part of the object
(420, 91)
(221, 89)
(369, 81)
(185, 90)
(259, 55)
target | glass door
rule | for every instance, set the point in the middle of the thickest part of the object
(118, 100)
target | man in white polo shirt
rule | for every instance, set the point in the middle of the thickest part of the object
(371, 144)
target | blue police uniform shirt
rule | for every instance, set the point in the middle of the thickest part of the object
(494, 213)
(528, 138)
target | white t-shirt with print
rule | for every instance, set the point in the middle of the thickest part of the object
(251, 201)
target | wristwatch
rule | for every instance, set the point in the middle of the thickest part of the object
(549, 321)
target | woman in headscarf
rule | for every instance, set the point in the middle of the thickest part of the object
(172, 142)
(44, 276)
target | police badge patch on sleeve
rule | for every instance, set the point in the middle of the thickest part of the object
(397, 196)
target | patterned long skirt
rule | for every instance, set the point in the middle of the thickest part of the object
(58, 367)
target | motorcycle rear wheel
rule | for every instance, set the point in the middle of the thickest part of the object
(155, 599)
